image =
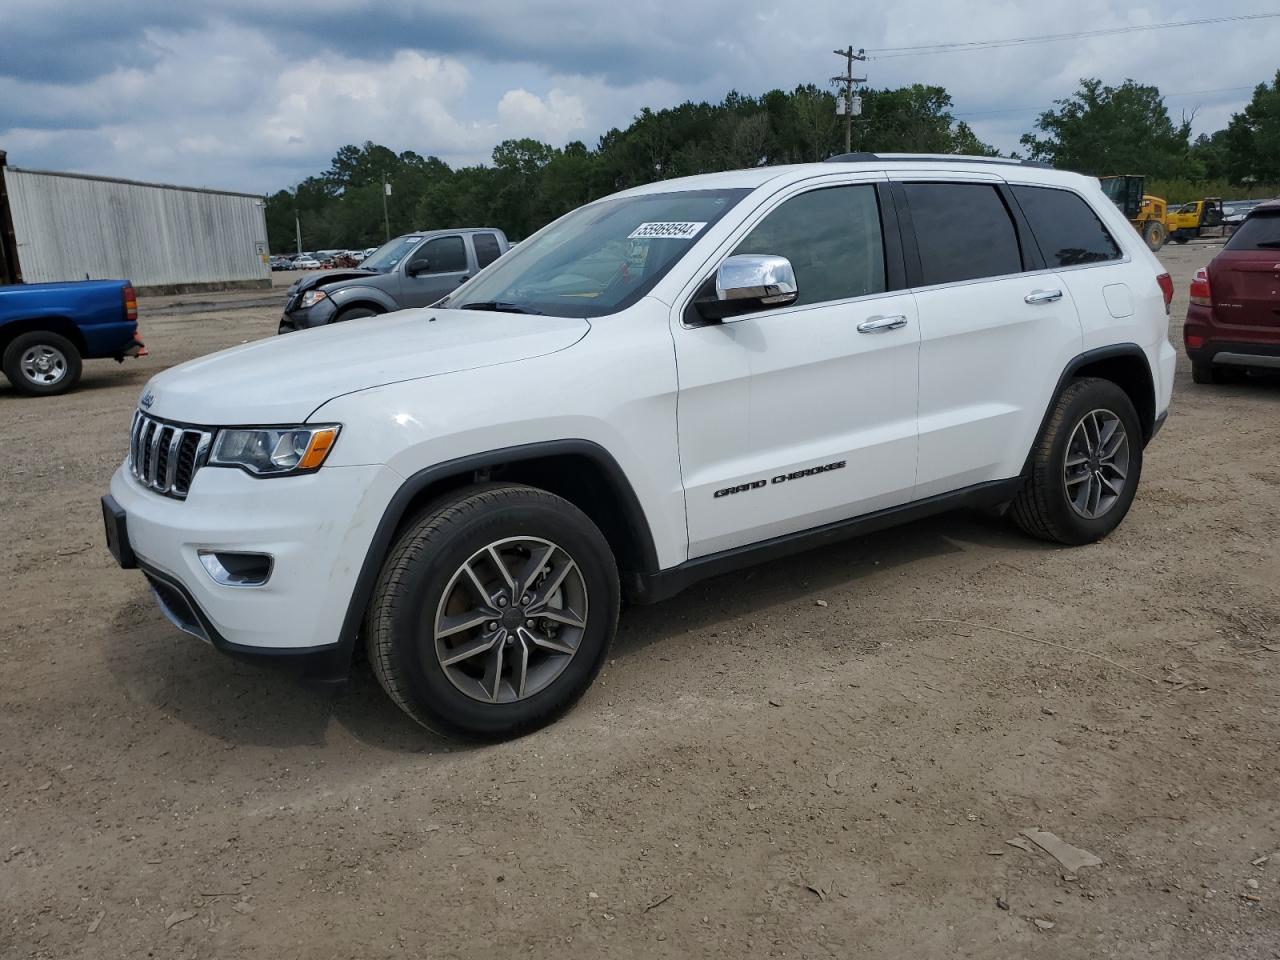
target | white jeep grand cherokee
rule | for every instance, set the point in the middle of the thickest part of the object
(668, 383)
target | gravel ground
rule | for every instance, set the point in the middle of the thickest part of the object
(824, 756)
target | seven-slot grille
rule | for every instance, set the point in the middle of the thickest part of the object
(164, 456)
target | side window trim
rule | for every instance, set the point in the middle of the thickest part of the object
(910, 247)
(891, 232)
(1033, 258)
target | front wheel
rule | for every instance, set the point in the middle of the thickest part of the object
(494, 612)
(354, 313)
(41, 363)
(1085, 466)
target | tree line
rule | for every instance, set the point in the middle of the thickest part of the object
(1098, 130)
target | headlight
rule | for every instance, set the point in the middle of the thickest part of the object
(273, 451)
(312, 297)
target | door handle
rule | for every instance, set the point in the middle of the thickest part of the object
(1043, 296)
(882, 324)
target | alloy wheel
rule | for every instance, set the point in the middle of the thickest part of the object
(1096, 464)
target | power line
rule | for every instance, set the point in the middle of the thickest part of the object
(891, 53)
(1163, 96)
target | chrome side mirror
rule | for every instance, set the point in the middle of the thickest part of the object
(749, 282)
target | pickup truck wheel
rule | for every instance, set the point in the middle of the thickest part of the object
(355, 313)
(1085, 466)
(493, 612)
(42, 363)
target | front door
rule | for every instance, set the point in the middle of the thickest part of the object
(806, 414)
(433, 271)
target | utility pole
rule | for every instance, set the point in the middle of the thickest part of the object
(297, 226)
(848, 80)
(386, 192)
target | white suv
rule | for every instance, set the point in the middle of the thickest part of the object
(668, 383)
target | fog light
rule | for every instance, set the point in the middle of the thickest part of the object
(237, 569)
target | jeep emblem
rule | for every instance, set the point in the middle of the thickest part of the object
(147, 400)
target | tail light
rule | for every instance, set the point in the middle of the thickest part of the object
(1166, 287)
(1200, 293)
(130, 303)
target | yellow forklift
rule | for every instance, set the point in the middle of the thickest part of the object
(1194, 218)
(1148, 214)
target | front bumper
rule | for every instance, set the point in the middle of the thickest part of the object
(317, 315)
(316, 527)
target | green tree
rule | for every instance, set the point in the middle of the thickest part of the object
(1103, 130)
(1251, 141)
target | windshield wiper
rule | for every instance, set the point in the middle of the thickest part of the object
(501, 306)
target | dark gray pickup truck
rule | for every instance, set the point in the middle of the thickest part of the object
(415, 270)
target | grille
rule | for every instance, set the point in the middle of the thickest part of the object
(166, 456)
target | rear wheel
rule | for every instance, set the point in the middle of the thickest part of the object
(494, 612)
(1154, 234)
(42, 363)
(1204, 372)
(1085, 466)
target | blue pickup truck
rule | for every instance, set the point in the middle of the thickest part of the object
(47, 329)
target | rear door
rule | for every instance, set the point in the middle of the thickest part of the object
(434, 270)
(1244, 278)
(996, 329)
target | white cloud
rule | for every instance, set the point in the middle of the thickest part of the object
(553, 118)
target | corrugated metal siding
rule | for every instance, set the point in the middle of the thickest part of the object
(69, 226)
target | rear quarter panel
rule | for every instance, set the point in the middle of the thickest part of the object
(96, 307)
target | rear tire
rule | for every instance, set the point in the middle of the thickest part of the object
(1206, 373)
(467, 649)
(1085, 466)
(42, 363)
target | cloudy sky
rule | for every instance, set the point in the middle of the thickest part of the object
(254, 95)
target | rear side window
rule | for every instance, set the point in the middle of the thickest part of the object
(1261, 231)
(1066, 228)
(832, 238)
(487, 250)
(963, 230)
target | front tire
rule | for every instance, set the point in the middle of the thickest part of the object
(494, 612)
(355, 313)
(1154, 234)
(1085, 466)
(42, 364)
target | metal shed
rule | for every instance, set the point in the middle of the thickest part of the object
(164, 238)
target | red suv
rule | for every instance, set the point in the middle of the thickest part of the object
(1233, 322)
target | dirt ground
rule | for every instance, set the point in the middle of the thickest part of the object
(799, 761)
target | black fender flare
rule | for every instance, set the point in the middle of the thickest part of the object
(396, 510)
(1078, 362)
(349, 295)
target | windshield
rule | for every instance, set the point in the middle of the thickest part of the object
(600, 258)
(385, 258)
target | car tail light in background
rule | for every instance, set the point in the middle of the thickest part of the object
(1166, 287)
(1200, 294)
(130, 302)
(1194, 341)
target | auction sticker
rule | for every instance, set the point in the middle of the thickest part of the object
(667, 230)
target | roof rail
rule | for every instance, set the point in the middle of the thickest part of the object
(949, 157)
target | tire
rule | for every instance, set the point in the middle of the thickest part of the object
(424, 589)
(1206, 373)
(355, 313)
(42, 363)
(1180, 237)
(1049, 506)
(1154, 234)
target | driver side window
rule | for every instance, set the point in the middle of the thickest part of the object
(441, 255)
(832, 238)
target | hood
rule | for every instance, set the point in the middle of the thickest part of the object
(283, 379)
(329, 276)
